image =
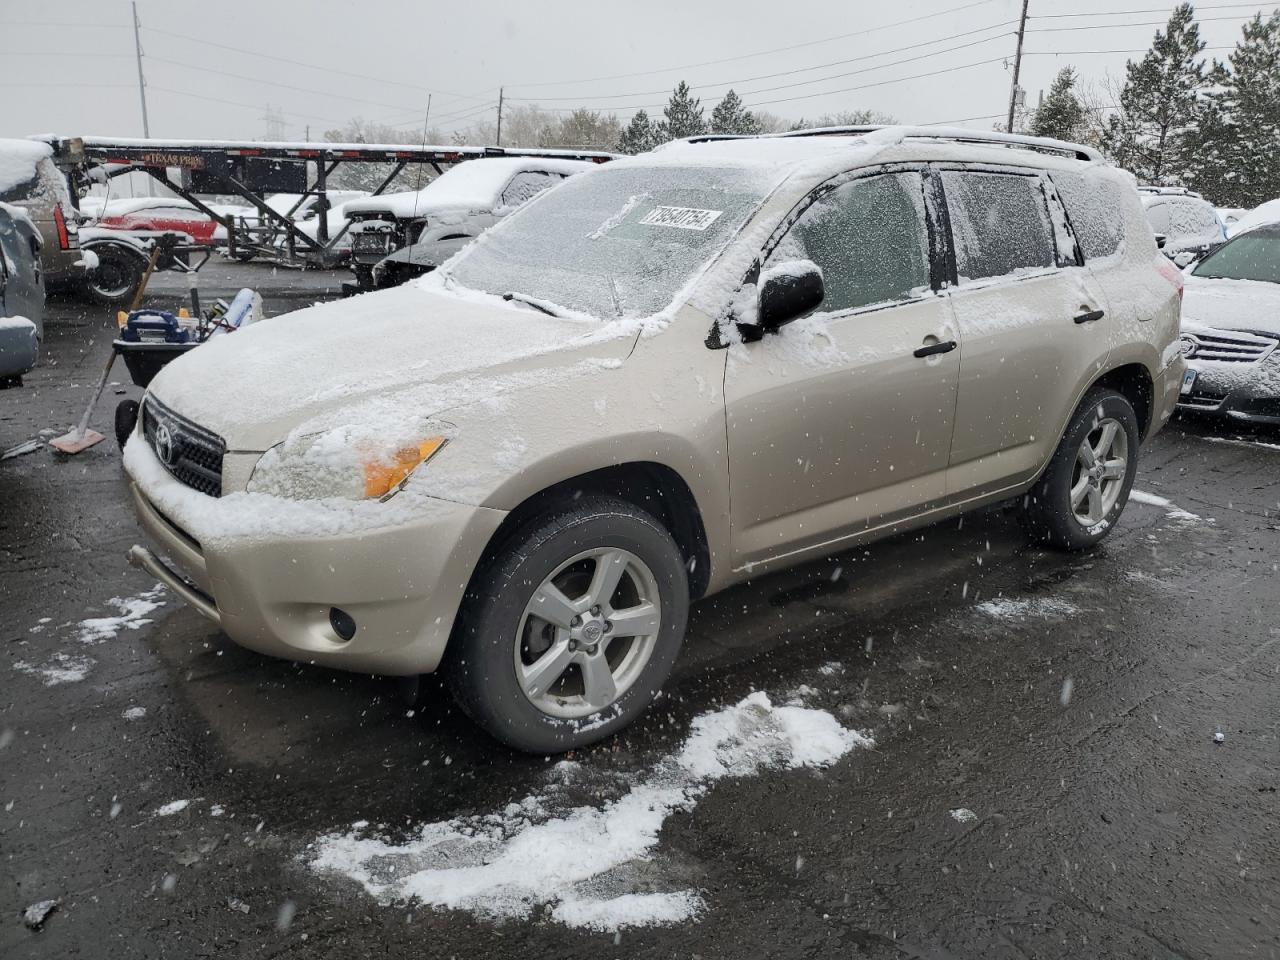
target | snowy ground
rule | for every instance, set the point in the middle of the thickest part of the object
(1073, 755)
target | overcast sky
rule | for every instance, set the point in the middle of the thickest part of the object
(214, 68)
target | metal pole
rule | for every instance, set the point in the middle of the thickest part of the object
(142, 83)
(499, 137)
(1017, 65)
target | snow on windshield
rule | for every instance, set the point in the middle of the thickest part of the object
(618, 243)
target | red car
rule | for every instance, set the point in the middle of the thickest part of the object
(159, 214)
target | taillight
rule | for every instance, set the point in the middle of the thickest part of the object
(60, 221)
(1170, 272)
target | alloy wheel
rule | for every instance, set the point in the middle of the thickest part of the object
(587, 632)
(1098, 477)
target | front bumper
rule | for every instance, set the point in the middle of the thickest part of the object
(402, 585)
(1249, 392)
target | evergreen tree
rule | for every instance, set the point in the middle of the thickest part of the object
(730, 117)
(1061, 115)
(640, 135)
(1247, 111)
(1153, 135)
(684, 114)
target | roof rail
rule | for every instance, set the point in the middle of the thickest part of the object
(951, 134)
(1169, 191)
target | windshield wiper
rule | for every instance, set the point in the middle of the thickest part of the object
(529, 301)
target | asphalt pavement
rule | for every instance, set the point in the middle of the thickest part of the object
(1075, 755)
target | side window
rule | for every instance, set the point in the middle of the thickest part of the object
(868, 236)
(525, 186)
(1096, 209)
(1158, 217)
(999, 222)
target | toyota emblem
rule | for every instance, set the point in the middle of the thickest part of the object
(164, 444)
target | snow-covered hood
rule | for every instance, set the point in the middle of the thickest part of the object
(397, 353)
(1231, 304)
(410, 206)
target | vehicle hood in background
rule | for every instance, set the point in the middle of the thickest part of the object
(1232, 304)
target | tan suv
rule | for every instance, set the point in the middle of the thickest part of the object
(661, 378)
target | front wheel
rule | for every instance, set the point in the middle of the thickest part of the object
(567, 634)
(1086, 485)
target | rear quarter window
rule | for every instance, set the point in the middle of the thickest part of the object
(1096, 208)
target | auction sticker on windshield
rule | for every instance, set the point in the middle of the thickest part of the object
(686, 218)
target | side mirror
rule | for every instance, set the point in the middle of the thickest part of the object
(788, 291)
(1185, 258)
(1160, 240)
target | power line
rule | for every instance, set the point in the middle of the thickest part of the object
(277, 83)
(275, 57)
(819, 66)
(1082, 53)
(62, 24)
(1120, 13)
(1119, 26)
(759, 53)
(882, 83)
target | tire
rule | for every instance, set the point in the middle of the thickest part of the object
(569, 705)
(126, 420)
(1074, 505)
(116, 278)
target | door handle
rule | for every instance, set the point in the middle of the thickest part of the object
(933, 349)
(1089, 316)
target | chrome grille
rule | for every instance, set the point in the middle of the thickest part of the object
(191, 454)
(1230, 345)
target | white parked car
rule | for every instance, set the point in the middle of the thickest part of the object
(1187, 221)
(404, 235)
(1231, 329)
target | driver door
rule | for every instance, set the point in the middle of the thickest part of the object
(841, 422)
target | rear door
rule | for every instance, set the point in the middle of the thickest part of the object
(841, 422)
(1032, 319)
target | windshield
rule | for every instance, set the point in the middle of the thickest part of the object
(1250, 256)
(616, 242)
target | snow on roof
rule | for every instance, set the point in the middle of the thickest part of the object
(1264, 213)
(160, 145)
(472, 185)
(18, 159)
(811, 152)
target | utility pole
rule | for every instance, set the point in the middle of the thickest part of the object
(1017, 65)
(142, 83)
(306, 136)
(499, 137)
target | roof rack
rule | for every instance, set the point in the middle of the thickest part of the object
(1169, 191)
(950, 134)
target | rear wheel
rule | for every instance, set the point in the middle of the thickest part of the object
(116, 278)
(1087, 483)
(568, 633)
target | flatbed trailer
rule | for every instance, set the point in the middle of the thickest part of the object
(192, 168)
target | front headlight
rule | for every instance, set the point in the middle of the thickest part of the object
(338, 464)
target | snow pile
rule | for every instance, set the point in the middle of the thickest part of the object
(1025, 608)
(133, 614)
(576, 861)
(61, 668)
(172, 807)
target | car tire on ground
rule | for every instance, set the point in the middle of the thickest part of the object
(541, 657)
(126, 420)
(1086, 485)
(115, 280)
